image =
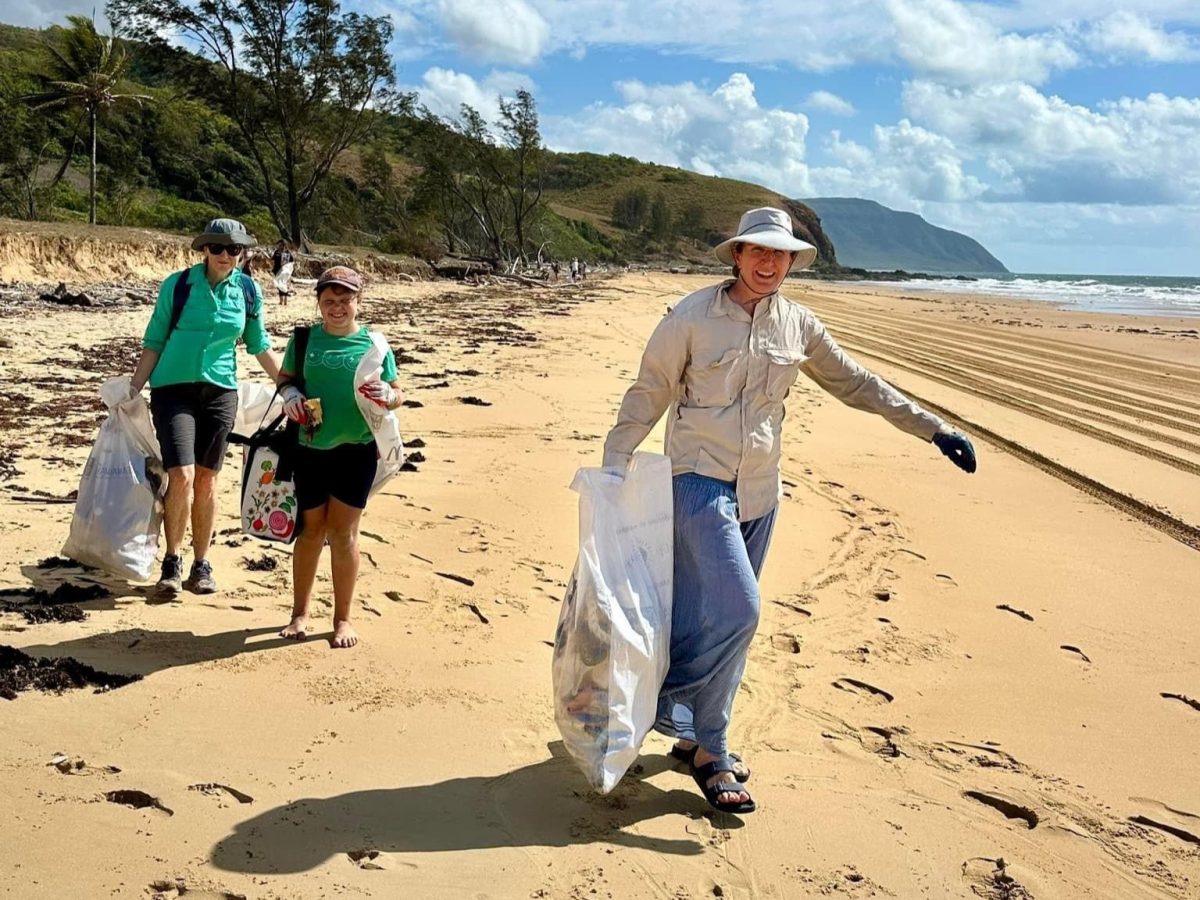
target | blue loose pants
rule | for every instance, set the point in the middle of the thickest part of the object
(716, 608)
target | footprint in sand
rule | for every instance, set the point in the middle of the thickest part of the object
(1071, 648)
(1175, 822)
(944, 579)
(213, 789)
(854, 686)
(1016, 612)
(1010, 808)
(1182, 698)
(789, 643)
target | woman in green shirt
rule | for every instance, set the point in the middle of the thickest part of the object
(337, 458)
(188, 358)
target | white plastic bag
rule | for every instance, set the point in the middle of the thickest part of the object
(384, 425)
(613, 644)
(119, 512)
(257, 405)
(283, 278)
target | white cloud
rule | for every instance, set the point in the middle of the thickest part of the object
(1042, 148)
(1125, 35)
(505, 31)
(830, 103)
(906, 163)
(946, 41)
(722, 131)
(444, 91)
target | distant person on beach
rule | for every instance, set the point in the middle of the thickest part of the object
(282, 265)
(582, 269)
(336, 461)
(188, 358)
(554, 267)
(574, 270)
(723, 360)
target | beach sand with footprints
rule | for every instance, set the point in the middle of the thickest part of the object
(982, 686)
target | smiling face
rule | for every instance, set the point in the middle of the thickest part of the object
(761, 270)
(220, 260)
(339, 308)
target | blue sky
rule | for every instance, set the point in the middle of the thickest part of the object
(1062, 134)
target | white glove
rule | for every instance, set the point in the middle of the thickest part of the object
(380, 393)
(293, 404)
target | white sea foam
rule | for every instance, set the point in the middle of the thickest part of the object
(1145, 295)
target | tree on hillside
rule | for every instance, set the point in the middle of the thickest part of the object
(659, 224)
(302, 80)
(521, 178)
(630, 209)
(85, 72)
(488, 189)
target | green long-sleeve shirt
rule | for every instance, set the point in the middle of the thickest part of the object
(201, 347)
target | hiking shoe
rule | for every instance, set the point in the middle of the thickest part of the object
(201, 580)
(171, 582)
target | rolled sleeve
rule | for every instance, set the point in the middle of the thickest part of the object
(658, 381)
(255, 333)
(835, 372)
(156, 334)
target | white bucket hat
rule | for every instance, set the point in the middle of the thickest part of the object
(768, 227)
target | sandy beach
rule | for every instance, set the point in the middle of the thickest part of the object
(983, 686)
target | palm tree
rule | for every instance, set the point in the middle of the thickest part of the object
(85, 72)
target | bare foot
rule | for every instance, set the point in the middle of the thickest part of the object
(343, 636)
(295, 630)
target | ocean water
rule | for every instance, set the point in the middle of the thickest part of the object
(1130, 294)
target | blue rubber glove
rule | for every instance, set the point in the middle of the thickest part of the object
(958, 448)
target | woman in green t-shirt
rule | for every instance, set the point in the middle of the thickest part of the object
(188, 359)
(337, 458)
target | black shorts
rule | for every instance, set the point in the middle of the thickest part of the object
(345, 473)
(193, 422)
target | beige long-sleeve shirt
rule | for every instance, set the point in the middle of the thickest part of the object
(724, 376)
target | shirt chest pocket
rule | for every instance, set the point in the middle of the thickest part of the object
(717, 382)
(783, 365)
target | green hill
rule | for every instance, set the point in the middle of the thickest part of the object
(178, 159)
(871, 236)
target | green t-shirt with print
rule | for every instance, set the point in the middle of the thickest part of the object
(329, 366)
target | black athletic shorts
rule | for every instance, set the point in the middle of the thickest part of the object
(193, 422)
(345, 473)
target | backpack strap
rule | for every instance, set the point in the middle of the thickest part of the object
(299, 351)
(249, 293)
(179, 298)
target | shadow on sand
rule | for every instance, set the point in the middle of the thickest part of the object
(546, 804)
(142, 651)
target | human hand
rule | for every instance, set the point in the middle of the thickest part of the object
(379, 392)
(957, 447)
(293, 404)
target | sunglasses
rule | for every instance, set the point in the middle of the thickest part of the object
(223, 249)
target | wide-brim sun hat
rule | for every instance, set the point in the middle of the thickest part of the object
(768, 227)
(224, 232)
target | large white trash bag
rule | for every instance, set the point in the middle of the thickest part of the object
(257, 405)
(384, 424)
(119, 512)
(613, 644)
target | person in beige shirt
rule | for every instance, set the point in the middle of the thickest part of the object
(721, 364)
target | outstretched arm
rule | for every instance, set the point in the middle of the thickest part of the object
(658, 379)
(831, 368)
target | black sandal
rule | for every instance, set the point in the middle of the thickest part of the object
(686, 757)
(702, 774)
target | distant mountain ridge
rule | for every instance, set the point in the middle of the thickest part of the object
(868, 235)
